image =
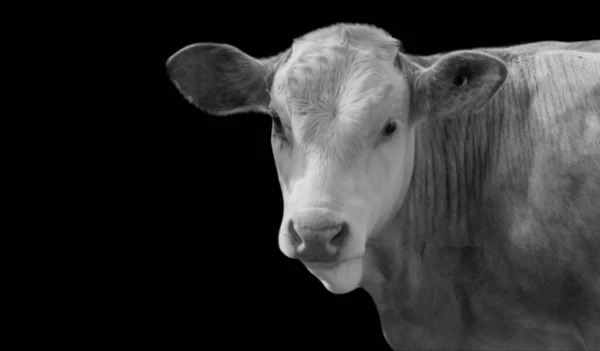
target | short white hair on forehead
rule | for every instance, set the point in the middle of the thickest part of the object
(336, 73)
(356, 35)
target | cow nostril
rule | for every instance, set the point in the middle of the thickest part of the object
(338, 239)
(296, 239)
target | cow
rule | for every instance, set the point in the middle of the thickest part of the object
(461, 190)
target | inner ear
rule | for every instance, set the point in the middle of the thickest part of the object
(462, 77)
(463, 72)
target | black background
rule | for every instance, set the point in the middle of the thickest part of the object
(206, 266)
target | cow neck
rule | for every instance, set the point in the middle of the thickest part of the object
(453, 159)
(419, 255)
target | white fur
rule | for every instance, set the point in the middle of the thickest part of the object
(337, 97)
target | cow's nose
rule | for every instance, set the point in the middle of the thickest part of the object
(317, 239)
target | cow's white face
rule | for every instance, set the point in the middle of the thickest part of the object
(344, 150)
(344, 104)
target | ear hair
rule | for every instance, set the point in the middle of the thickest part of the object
(464, 80)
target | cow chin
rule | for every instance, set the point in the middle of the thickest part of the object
(342, 278)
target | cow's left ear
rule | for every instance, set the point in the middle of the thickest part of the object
(458, 82)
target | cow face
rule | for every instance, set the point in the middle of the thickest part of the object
(344, 104)
(344, 150)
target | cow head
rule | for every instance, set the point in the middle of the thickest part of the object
(344, 102)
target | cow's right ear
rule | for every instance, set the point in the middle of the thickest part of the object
(221, 79)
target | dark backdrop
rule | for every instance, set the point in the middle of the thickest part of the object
(207, 269)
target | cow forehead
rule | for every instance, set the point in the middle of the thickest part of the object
(356, 35)
(335, 80)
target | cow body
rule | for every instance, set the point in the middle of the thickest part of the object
(504, 217)
(490, 238)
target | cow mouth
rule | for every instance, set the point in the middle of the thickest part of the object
(327, 264)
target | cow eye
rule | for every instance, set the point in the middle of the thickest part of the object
(389, 129)
(277, 123)
(278, 127)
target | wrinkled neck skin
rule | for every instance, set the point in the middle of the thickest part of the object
(428, 267)
(415, 292)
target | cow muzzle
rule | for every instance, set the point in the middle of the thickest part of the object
(315, 236)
